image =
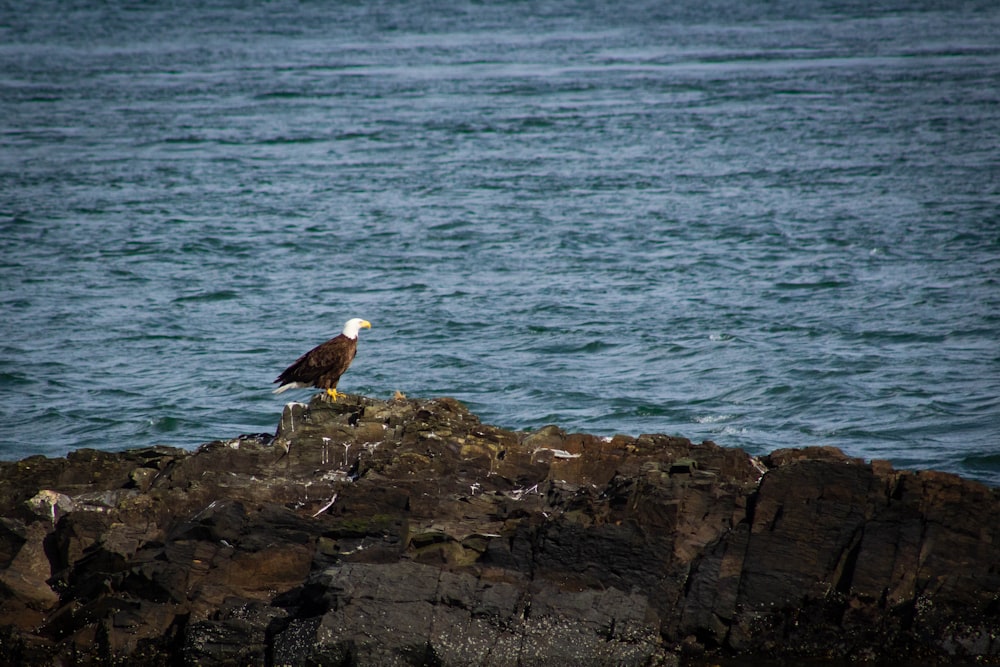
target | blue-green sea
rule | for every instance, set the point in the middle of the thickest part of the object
(765, 223)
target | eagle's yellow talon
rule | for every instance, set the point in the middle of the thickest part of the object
(332, 393)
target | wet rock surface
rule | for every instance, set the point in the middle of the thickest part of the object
(406, 532)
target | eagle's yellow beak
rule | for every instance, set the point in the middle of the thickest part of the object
(365, 324)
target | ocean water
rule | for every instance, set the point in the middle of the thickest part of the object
(768, 224)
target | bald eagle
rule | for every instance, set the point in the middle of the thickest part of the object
(323, 365)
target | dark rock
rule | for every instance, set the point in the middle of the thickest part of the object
(406, 532)
(404, 613)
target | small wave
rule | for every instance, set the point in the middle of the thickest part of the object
(153, 337)
(221, 295)
(900, 337)
(13, 379)
(712, 419)
(278, 94)
(350, 136)
(648, 411)
(186, 139)
(18, 303)
(450, 226)
(988, 460)
(984, 467)
(134, 249)
(279, 140)
(818, 284)
(588, 348)
(165, 424)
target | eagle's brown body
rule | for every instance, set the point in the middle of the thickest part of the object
(323, 365)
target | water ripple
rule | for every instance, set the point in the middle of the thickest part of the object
(756, 225)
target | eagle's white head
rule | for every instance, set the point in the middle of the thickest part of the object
(354, 325)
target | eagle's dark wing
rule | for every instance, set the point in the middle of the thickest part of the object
(323, 365)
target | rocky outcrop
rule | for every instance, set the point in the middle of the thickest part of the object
(406, 532)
